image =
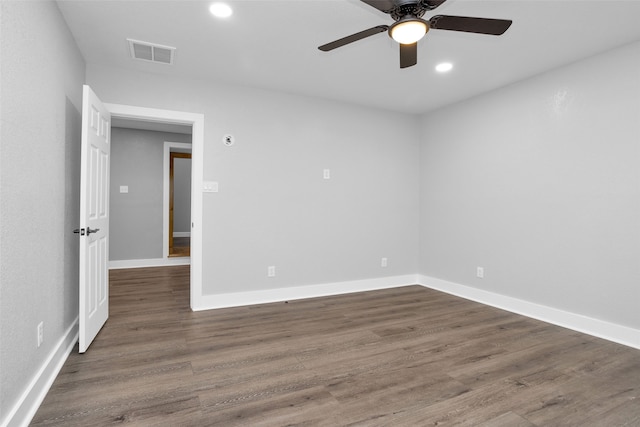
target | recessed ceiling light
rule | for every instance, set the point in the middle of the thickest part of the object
(220, 10)
(443, 67)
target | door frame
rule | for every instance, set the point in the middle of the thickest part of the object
(172, 156)
(196, 121)
(168, 147)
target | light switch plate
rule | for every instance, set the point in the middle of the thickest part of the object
(210, 187)
(124, 188)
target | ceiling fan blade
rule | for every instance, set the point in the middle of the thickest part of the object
(493, 27)
(353, 38)
(408, 55)
(385, 6)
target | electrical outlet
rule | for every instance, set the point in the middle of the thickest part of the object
(383, 262)
(326, 174)
(480, 272)
(40, 333)
(271, 271)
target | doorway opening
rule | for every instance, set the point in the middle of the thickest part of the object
(196, 122)
(137, 195)
(179, 203)
(177, 182)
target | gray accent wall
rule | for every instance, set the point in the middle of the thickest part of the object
(40, 103)
(136, 217)
(539, 183)
(273, 206)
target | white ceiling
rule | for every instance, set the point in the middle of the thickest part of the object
(273, 44)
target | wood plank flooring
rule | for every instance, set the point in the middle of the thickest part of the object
(181, 247)
(402, 357)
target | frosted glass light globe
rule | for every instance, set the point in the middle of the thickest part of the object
(409, 31)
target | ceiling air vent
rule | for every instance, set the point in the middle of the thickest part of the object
(151, 52)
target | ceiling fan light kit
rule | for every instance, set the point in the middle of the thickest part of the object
(408, 30)
(409, 27)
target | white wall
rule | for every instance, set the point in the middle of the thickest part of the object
(539, 183)
(274, 208)
(41, 95)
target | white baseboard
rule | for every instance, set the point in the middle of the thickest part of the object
(577, 322)
(598, 328)
(153, 262)
(25, 409)
(238, 299)
(181, 234)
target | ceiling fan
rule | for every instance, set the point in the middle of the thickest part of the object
(409, 27)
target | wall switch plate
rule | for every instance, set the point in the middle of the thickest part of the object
(210, 187)
(124, 188)
(326, 174)
(383, 262)
(480, 272)
(40, 333)
(271, 271)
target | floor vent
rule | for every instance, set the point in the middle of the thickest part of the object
(151, 52)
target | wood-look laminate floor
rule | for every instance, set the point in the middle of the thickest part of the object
(181, 247)
(401, 357)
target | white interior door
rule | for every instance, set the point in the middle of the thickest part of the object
(94, 217)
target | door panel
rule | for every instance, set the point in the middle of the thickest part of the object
(94, 217)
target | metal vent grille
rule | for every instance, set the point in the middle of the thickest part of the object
(151, 52)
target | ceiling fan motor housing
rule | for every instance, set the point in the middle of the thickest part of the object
(407, 8)
(416, 8)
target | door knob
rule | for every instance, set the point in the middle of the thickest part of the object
(79, 231)
(89, 230)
